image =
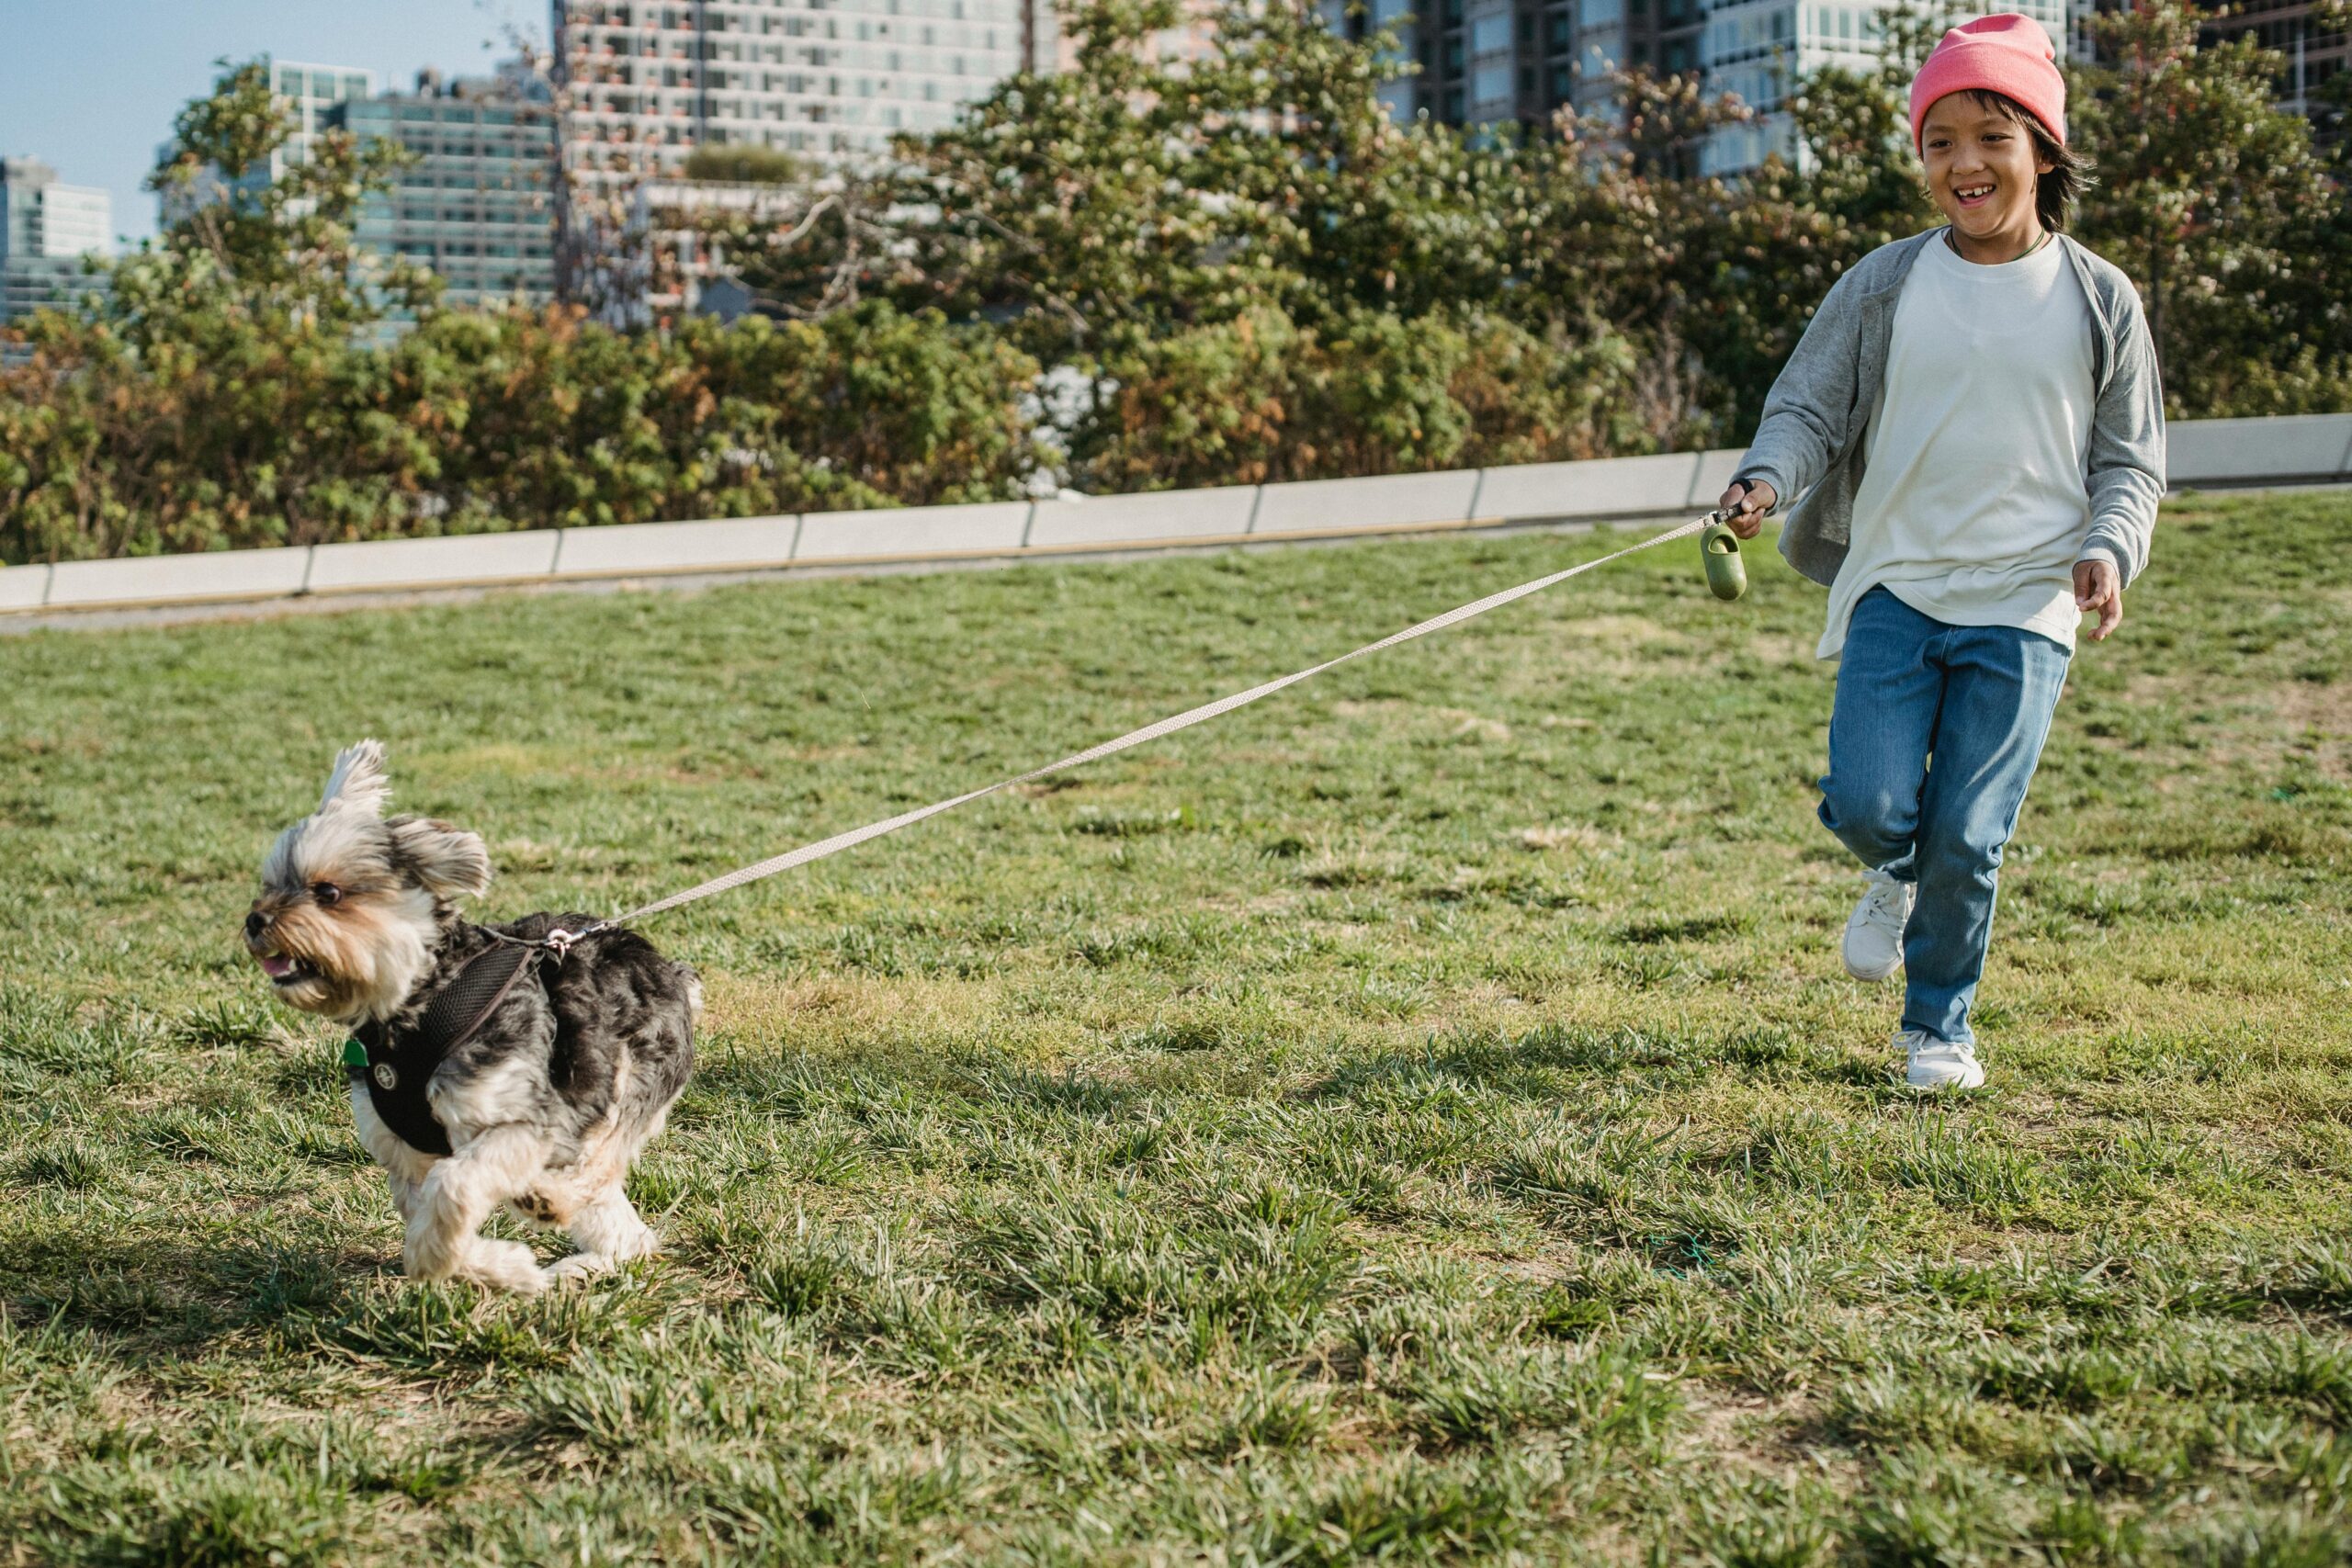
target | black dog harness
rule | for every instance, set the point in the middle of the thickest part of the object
(397, 1064)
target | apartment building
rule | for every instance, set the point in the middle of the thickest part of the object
(642, 85)
(46, 228)
(1485, 62)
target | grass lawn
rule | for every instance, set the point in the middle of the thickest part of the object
(1421, 1117)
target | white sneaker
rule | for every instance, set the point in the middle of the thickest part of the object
(1932, 1064)
(1874, 931)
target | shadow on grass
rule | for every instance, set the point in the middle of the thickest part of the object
(797, 1087)
(154, 1292)
(1537, 1065)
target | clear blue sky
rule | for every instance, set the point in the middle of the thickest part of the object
(90, 87)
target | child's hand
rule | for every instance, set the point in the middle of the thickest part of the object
(2096, 589)
(1743, 506)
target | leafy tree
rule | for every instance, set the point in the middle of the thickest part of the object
(208, 398)
(1155, 225)
(1709, 280)
(1264, 397)
(2212, 198)
(278, 246)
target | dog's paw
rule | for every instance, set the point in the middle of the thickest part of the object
(580, 1265)
(506, 1265)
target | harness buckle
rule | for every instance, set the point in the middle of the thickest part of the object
(559, 940)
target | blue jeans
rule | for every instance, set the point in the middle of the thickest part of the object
(1977, 701)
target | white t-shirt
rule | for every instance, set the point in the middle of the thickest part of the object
(1973, 507)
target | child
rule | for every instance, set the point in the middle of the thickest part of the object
(1976, 413)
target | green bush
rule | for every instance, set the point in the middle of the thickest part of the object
(1262, 399)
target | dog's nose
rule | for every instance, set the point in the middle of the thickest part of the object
(255, 923)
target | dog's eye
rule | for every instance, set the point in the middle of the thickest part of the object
(327, 893)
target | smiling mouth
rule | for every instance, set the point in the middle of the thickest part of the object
(1972, 196)
(286, 972)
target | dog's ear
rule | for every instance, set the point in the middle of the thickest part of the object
(449, 861)
(358, 783)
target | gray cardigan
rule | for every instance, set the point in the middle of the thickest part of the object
(1811, 436)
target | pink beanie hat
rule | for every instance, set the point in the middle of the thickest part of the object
(2007, 55)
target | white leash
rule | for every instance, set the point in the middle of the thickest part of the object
(560, 940)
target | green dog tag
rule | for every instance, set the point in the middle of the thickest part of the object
(355, 1055)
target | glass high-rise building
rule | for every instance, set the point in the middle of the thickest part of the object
(476, 207)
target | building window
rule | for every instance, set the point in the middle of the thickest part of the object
(1488, 34)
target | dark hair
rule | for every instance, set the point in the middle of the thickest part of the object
(2070, 172)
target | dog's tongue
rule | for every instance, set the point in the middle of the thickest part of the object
(277, 968)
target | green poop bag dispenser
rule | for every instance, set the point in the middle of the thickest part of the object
(1726, 573)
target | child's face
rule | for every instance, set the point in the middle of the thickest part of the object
(1981, 168)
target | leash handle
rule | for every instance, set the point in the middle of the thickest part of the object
(1719, 553)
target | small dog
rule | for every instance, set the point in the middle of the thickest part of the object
(484, 1072)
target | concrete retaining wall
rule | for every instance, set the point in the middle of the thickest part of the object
(1611, 487)
(458, 562)
(1113, 522)
(2287, 449)
(190, 578)
(24, 587)
(913, 533)
(647, 547)
(1310, 507)
(2295, 450)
